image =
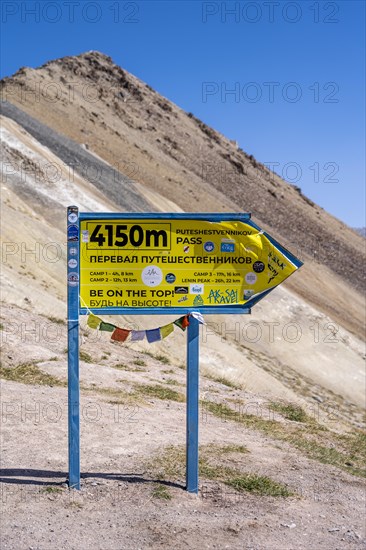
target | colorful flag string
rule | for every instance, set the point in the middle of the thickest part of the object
(152, 335)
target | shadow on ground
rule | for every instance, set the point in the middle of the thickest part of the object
(36, 477)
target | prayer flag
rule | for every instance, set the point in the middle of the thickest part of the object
(153, 335)
(107, 327)
(166, 330)
(182, 322)
(120, 334)
(137, 335)
(197, 315)
(93, 321)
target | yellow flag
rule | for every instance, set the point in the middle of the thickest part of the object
(166, 330)
(93, 321)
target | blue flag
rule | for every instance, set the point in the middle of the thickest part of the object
(153, 335)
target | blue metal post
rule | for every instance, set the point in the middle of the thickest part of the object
(73, 258)
(192, 405)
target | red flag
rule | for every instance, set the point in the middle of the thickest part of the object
(120, 334)
(185, 321)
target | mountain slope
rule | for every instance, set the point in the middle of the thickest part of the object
(138, 132)
(286, 348)
(45, 170)
(281, 390)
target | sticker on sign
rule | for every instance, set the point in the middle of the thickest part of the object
(152, 275)
(196, 289)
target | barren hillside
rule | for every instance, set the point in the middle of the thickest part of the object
(281, 391)
(143, 135)
(292, 336)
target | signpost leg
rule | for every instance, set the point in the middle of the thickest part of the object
(73, 349)
(192, 405)
(73, 400)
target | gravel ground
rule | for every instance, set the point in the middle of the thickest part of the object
(121, 503)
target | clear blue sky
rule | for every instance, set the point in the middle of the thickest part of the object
(296, 69)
